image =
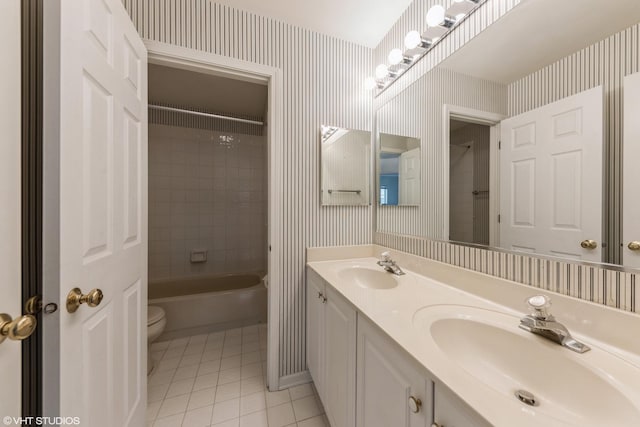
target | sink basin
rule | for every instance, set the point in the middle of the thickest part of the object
(569, 388)
(369, 278)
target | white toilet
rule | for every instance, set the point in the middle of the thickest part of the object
(156, 321)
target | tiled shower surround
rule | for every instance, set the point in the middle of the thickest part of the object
(601, 285)
(207, 191)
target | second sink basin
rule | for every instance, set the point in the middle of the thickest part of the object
(368, 278)
(569, 388)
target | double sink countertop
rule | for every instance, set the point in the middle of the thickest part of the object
(462, 326)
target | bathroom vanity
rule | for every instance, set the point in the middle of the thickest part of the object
(441, 346)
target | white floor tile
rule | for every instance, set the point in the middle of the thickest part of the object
(313, 422)
(153, 409)
(186, 372)
(280, 415)
(180, 387)
(249, 358)
(252, 403)
(252, 385)
(229, 423)
(232, 350)
(205, 381)
(159, 378)
(163, 345)
(211, 355)
(200, 417)
(305, 408)
(275, 398)
(231, 362)
(300, 391)
(172, 421)
(224, 411)
(157, 393)
(229, 376)
(252, 370)
(190, 359)
(209, 367)
(174, 405)
(228, 391)
(173, 353)
(202, 398)
(256, 419)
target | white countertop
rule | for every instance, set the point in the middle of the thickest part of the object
(392, 310)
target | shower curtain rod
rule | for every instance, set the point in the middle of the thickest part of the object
(199, 113)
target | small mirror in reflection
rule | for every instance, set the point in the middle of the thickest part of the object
(399, 170)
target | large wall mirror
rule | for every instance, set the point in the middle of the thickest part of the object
(527, 143)
(345, 166)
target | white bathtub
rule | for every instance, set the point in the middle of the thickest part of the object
(207, 304)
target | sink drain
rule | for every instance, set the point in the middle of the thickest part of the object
(525, 397)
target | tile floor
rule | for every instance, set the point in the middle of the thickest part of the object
(218, 379)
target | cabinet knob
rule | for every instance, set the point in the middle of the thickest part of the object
(415, 404)
(634, 246)
(589, 244)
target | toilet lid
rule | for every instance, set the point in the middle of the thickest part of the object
(154, 314)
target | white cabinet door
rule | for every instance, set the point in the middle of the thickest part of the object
(315, 330)
(10, 233)
(387, 380)
(551, 178)
(339, 360)
(631, 172)
(103, 213)
(450, 411)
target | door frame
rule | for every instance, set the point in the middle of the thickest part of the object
(483, 118)
(209, 63)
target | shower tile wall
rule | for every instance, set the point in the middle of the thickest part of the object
(206, 195)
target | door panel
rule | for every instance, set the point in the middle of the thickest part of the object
(551, 178)
(631, 171)
(103, 210)
(10, 238)
(315, 331)
(409, 178)
(340, 353)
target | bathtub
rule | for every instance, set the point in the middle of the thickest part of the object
(197, 305)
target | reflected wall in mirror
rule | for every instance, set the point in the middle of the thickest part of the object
(560, 105)
(399, 170)
(345, 165)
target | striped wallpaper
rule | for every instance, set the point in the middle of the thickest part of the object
(603, 63)
(609, 287)
(417, 112)
(322, 85)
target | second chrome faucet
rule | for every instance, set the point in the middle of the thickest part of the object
(542, 323)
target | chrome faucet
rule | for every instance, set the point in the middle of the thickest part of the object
(542, 323)
(390, 265)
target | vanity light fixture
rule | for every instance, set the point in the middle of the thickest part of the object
(440, 22)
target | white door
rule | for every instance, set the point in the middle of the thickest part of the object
(409, 178)
(551, 178)
(103, 214)
(10, 270)
(631, 172)
(315, 330)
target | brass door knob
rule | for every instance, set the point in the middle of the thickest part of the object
(75, 298)
(19, 329)
(634, 246)
(589, 244)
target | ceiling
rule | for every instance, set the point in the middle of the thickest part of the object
(211, 93)
(537, 33)
(364, 22)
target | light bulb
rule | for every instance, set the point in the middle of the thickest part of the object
(460, 16)
(412, 40)
(395, 56)
(382, 71)
(435, 16)
(370, 83)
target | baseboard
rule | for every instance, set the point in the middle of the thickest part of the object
(292, 380)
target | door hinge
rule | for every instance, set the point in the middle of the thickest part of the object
(499, 145)
(498, 218)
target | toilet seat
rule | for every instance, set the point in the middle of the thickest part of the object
(154, 315)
